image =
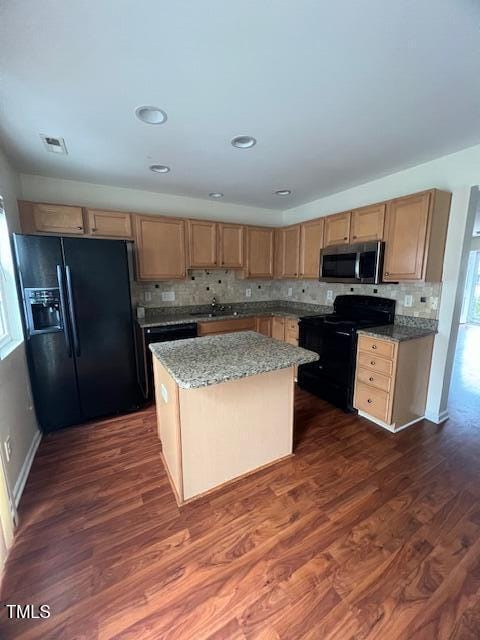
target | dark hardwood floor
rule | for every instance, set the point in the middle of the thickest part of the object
(362, 534)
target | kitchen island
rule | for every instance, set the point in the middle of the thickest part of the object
(224, 407)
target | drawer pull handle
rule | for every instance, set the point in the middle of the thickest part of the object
(373, 363)
(374, 346)
(369, 401)
(371, 379)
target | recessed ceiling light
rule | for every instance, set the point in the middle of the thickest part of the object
(283, 192)
(244, 142)
(151, 115)
(216, 194)
(159, 168)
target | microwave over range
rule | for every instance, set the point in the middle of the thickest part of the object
(360, 263)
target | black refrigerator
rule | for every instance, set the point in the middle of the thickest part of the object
(78, 327)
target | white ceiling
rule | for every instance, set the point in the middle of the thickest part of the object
(337, 93)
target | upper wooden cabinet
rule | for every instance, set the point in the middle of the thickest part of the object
(288, 251)
(415, 234)
(367, 223)
(337, 229)
(311, 242)
(160, 248)
(109, 224)
(51, 218)
(230, 245)
(202, 243)
(259, 252)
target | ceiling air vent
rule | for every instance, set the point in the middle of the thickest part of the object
(54, 145)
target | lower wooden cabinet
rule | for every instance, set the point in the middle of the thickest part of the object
(264, 325)
(291, 331)
(215, 327)
(278, 328)
(109, 224)
(392, 380)
(160, 248)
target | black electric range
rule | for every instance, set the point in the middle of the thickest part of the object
(334, 338)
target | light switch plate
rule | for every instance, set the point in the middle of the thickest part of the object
(147, 296)
(408, 301)
(168, 296)
(434, 303)
(329, 295)
(290, 291)
(248, 293)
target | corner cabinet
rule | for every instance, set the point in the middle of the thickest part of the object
(415, 235)
(259, 252)
(160, 248)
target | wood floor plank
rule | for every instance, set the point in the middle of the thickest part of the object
(362, 534)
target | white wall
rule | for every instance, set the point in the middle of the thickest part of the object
(456, 172)
(42, 189)
(17, 416)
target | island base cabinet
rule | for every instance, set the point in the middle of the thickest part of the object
(216, 434)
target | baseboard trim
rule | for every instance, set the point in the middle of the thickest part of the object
(25, 470)
(390, 427)
(437, 418)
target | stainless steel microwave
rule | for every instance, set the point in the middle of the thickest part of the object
(360, 263)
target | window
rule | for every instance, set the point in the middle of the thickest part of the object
(10, 324)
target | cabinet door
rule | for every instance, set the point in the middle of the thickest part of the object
(337, 229)
(291, 331)
(311, 242)
(406, 237)
(291, 251)
(57, 218)
(264, 325)
(230, 245)
(202, 243)
(367, 223)
(259, 252)
(109, 224)
(160, 248)
(278, 252)
(278, 328)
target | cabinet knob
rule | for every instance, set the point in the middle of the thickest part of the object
(387, 273)
(354, 237)
(369, 401)
(93, 228)
(345, 238)
(374, 346)
(79, 227)
(371, 379)
(373, 363)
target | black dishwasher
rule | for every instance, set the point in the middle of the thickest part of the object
(162, 333)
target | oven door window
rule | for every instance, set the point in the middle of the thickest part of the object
(340, 265)
(368, 260)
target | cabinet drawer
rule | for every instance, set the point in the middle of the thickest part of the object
(374, 379)
(372, 401)
(371, 361)
(225, 326)
(380, 347)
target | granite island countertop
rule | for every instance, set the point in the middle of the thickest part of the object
(396, 332)
(200, 362)
(182, 315)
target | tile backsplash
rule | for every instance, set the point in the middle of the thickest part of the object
(227, 286)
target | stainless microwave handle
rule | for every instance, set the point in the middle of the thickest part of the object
(357, 265)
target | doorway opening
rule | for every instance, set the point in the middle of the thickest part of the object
(464, 398)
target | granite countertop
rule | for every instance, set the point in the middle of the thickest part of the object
(396, 332)
(200, 362)
(181, 316)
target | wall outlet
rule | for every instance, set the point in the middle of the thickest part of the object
(248, 293)
(434, 303)
(290, 291)
(408, 301)
(329, 295)
(8, 448)
(148, 296)
(168, 296)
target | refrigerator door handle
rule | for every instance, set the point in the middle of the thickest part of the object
(63, 305)
(73, 316)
